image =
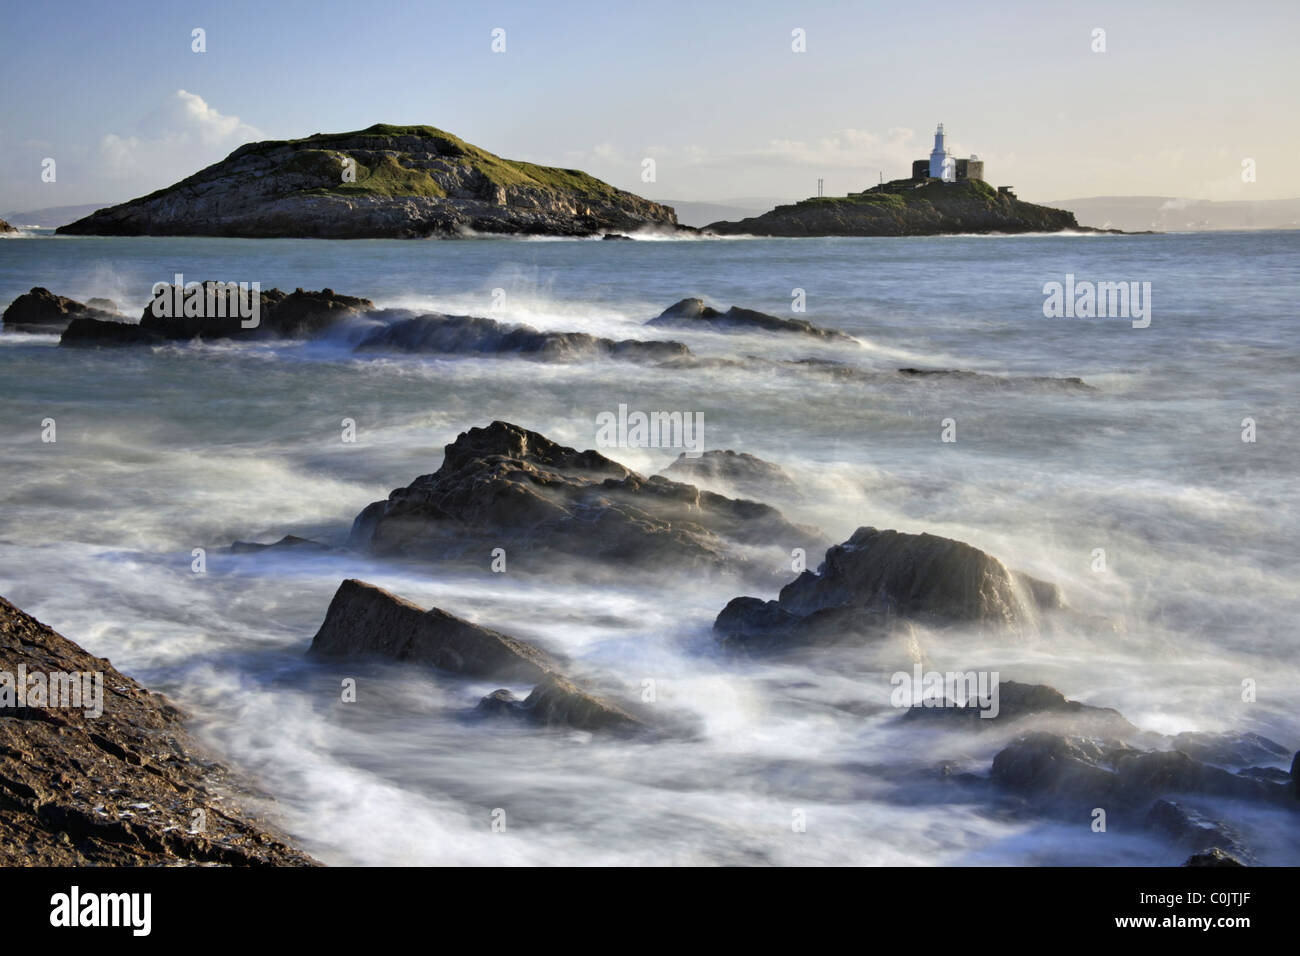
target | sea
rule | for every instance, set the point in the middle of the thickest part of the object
(1162, 498)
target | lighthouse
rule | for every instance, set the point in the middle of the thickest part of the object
(938, 155)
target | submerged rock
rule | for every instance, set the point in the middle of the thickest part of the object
(290, 542)
(506, 486)
(465, 334)
(118, 789)
(41, 311)
(877, 576)
(557, 701)
(739, 470)
(1017, 701)
(693, 313)
(962, 376)
(365, 620)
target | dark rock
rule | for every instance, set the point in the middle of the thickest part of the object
(103, 305)
(614, 235)
(289, 542)
(1043, 765)
(744, 472)
(5, 227)
(1213, 857)
(693, 313)
(557, 701)
(1231, 749)
(964, 377)
(878, 575)
(364, 620)
(1190, 828)
(93, 333)
(1017, 701)
(41, 311)
(299, 315)
(464, 334)
(506, 486)
(119, 789)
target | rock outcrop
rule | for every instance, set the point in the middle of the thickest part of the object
(126, 787)
(746, 473)
(906, 208)
(506, 486)
(364, 620)
(876, 577)
(1017, 701)
(693, 313)
(225, 314)
(6, 228)
(41, 311)
(381, 182)
(557, 701)
(470, 335)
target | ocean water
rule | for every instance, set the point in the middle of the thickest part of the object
(161, 451)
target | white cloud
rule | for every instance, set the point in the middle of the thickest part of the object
(182, 136)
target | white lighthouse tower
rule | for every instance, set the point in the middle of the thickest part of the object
(938, 155)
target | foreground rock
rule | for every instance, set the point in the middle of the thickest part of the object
(6, 228)
(381, 182)
(364, 620)
(878, 576)
(693, 313)
(118, 789)
(226, 314)
(463, 334)
(41, 311)
(1165, 791)
(505, 486)
(906, 207)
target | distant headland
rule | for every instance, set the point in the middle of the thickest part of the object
(943, 196)
(402, 182)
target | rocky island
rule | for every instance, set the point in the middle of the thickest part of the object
(395, 182)
(906, 207)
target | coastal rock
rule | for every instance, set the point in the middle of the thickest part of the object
(463, 334)
(693, 313)
(963, 377)
(557, 701)
(746, 473)
(906, 207)
(1017, 701)
(290, 542)
(6, 228)
(294, 316)
(41, 311)
(381, 182)
(364, 620)
(1213, 857)
(507, 486)
(876, 576)
(118, 789)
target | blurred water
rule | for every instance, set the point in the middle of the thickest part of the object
(161, 451)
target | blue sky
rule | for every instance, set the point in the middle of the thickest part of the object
(1183, 93)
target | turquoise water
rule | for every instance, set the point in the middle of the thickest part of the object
(165, 450)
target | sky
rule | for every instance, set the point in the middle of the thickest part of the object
(1181, 96)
